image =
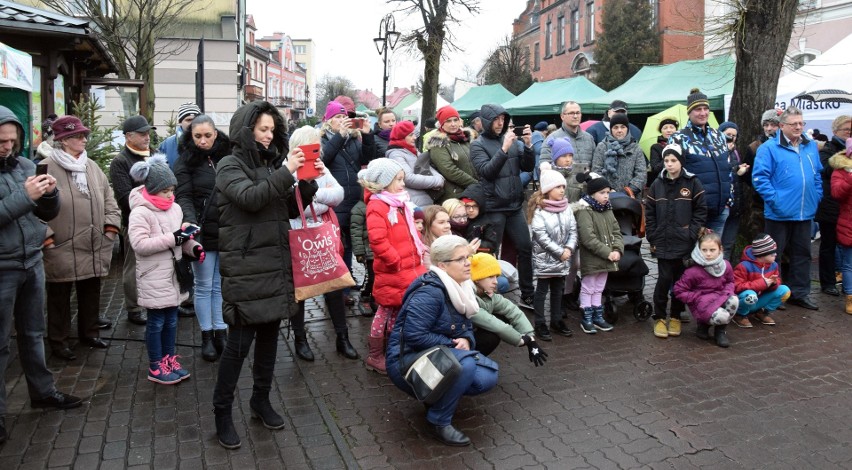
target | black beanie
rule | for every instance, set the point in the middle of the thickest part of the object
(619, 118)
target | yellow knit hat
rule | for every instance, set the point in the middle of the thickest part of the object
(483, 265)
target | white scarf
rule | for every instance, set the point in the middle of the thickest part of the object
(461, 295)
(77, 167)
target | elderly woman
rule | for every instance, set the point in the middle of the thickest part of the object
(437, 311)
(619, 159)
(80, 240)
(256, 197)
(202, 147)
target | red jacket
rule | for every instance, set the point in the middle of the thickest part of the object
(395, 259)
(750, 274)
(841, 190)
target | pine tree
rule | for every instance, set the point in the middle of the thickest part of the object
(629, 40)
(99, 146)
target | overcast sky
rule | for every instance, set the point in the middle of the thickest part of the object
(343, 32)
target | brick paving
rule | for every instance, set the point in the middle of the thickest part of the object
(778, 398)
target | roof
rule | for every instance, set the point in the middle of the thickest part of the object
(368, 99)
(547, 97)
(394, 99)
(478, 96)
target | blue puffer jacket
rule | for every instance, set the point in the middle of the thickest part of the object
(706, 156)
(789, 182)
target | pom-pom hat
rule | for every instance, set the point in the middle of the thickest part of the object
(154, 173)
(763, 245)
(594, 182)
(551, 179)
(696, 99)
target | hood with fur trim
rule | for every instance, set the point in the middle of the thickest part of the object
(840, 160)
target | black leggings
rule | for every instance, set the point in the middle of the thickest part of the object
(556, 286)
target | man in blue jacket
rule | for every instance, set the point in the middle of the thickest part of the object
(186, 113)
(25, 201)
(786, 174)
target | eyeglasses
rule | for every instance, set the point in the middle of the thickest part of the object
(794, 124)
(463, 260)
(459, 218)
(573, 113)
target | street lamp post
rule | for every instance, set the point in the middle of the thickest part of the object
(388, 36)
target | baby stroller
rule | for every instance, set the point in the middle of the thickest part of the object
(629, 280)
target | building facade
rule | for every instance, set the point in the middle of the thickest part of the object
(286, 80)
(303, 51)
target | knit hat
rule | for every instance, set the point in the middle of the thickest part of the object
(668, 120)
(728, 125)
(541, 126)
(347, 103)
(673, 149)
(594, 182)
(333, 108)
(154, 173)
(136, 124)
(551, 179)
(445, 113)
(770, 115)
(474, 115)
(66, 126)
(696, 99)
(763, 245)
(380, 171)
(401, 130)
(418, 214)
(560, 147)
(483, 265)
(186, 109)
(619, 118)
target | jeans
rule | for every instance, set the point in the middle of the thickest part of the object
(231, 362)
(22, 306)
(846, 268)
(128, 275)
(729, 237)
(208, 293)
(473, 380)
(795, 236)
(160, 332)
(555, 285)
(827, 254)
(518, 231)
(717, 223)
(768, 300)
(336, 310)
(59, 310)
(668, 272)
(591, 289)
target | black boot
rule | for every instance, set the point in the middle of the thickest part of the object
(220, 337)
(345, 348)
(303, 350)
(703, 331)
(721, 336)
(261, 409)
(225, 431)
(208, 352)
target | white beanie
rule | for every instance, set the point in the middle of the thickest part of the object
(551, 179)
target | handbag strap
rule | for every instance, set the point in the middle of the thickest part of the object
(408, 295)
(301, 208)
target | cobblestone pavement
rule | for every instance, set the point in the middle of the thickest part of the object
(778, 398)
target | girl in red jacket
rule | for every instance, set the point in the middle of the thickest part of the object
(396, 245)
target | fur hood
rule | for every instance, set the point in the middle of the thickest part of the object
(441, 139)
(840, 160)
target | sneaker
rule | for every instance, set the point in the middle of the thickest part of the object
(742, 321)
(163, 374)
(526, 302)
(542, 333)
(660, 329)
(674, 327)
(176, 367)
(560, 328)
(763, 317)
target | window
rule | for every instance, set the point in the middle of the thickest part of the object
(560, 35)
(300, 49)
(547, 38)
(590, 21)
(575, 28)
(537, 57)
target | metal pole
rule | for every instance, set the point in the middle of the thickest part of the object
(385, 75)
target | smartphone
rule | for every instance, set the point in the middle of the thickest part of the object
(190, 229)
(41, 169)
(308, 171)
(519, 131)
(357, 123)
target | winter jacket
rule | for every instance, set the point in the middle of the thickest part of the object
(751, 274)
(599, 235)
(452, 160)
(480, 227)
(81, 250)
(256, 200)
(599, 130)
(171, 146)
(551, 233)
(415, 183)
(358, 230)
(583, 143)
(656, 158)
(329, 194)
(151, 233)
(396, 261)
(22, 230)
(195, 171)
(499, 172)
(829, 209)
(703, 293)
(631, 168)
(381, 145)
(789, 182)
(841, 190)
(122, 183)
(499, 315)
(674, 214)
(705, 155)
(344, 157)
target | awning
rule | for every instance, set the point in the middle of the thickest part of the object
(547, 97)
(478, 96)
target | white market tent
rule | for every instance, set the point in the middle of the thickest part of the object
(412, 111)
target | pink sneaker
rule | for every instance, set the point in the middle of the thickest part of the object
(175, 366)
(163, 374)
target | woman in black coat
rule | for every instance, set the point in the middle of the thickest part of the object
(201, 148)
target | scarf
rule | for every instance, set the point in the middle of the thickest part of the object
(401, 143)
(554, 206)
(460, 136)
(158, 201)
(462, 295)
(266, 154)
(596, 206)
(458, 228)
(385, 134)
(77, 167)
(715, 268)
(141, 152)
(614, 150)
(400, 201)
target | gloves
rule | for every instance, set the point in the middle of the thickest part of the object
(180, 237)
(537, 355)
(361, 259)
(198, 252)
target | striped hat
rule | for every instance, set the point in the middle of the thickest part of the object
(186, 109)
(763, 245)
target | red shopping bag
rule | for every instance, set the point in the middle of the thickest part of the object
(316, 252)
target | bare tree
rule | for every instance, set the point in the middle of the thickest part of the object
(330, 87)
(431, 39)
(508, 65)
(130, 29)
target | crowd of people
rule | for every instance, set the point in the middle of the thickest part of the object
(207, 224)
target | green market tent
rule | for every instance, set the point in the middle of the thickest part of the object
(547, 97)
(657, 87)
(478, 96)
(405, 102)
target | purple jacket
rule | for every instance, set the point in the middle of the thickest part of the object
(703, 293)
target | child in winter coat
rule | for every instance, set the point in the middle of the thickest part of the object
(562, 153)
(554, 236)
(601, 246)
(707, 288)
(757, 282)
(155, 232)
(397, 248)
(478, 225)
(364, 255)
